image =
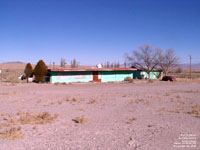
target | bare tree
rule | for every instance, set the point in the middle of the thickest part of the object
(146, 58)
(118, 65)
(112, 65)
(74, 64)
(168, 60)
(62, 62)
(107, 64)
(125, 64)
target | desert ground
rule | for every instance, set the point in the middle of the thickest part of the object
(100, 116)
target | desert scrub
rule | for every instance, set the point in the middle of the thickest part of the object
(42, 118)
(80, 120)
(92, 101)
(12, 133)
(26, 118)
(71, 100)
(58, 83)
(128, 79)
(150, 81)
(11, 75)
(195, 110)
(131, 120)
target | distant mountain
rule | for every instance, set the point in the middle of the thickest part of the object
(187, 66)
(13, 62)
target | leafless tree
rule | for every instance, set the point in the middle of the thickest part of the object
(146, 58)
(62, 62)
(107, 64)
(167, 60)
(74, 63)
(112, 65)
(118, 65)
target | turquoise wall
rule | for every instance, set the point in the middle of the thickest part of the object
(67, 77)
(114, 76)
(105, 76)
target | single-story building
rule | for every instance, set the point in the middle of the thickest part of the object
(98, 75)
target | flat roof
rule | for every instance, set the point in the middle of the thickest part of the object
(93, 69)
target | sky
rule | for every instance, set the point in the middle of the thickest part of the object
(96, 31)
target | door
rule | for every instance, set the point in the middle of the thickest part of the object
(95, 76)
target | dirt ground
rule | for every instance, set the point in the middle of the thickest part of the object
(100, 116)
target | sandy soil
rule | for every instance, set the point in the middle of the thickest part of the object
(112, 116)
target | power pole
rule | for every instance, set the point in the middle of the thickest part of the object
(190, 67)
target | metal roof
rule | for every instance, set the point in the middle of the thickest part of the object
(93, 69)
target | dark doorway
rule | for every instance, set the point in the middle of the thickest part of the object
(96, 76)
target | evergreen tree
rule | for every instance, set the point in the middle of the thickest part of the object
(40, 71)
(28, 70)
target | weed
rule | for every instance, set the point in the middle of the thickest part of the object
(131, 120)
(4, 93)
(92, 101)
(58, 83)
(161, 109)
(72, 100)
(167, 94)
(124, 95)
(131, 102)
(194, 111)
(150, 81)
(26, 118)
(82, 109)
(12, 133)
(35, 128)
(39, 101)
(129, 79)
(60, 102)
(80, 120)
(139, 100)
(52, 103)
(41, 118)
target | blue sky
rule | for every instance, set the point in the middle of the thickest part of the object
(94, 31)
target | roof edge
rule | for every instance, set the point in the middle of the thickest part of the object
(93, 69)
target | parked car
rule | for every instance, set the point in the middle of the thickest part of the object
(168, 78)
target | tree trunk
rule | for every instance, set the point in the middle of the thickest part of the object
(148, 75)
(40, 79)
(27, 79)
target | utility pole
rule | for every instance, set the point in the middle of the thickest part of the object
(190, 67)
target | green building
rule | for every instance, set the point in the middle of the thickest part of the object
(98, 75)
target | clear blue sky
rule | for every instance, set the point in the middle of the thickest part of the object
(94, 31)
